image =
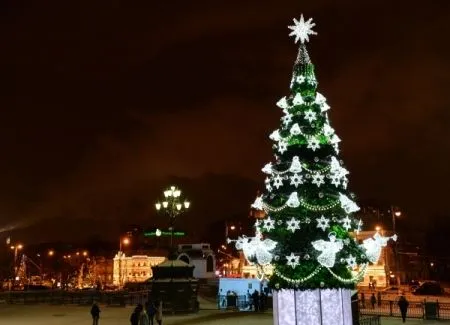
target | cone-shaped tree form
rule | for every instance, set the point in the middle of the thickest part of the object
(308, 209)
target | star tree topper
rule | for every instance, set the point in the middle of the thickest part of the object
(302, 29)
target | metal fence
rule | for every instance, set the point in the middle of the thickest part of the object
(416, 309)
(59, 297)
(242, 303)
(369, 320)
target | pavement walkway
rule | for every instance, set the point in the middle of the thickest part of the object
(74, 315)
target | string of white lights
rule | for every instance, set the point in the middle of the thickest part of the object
(353, 279)
(298, 281)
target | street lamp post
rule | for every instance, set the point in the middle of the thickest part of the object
(172, 205)
(395, 213)
(16, 248)
(122, 241)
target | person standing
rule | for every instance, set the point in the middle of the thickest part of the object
(143, 317)
(379, 298)
(134, 319)
(373, 300)
(150, 311)
(255, 297)
(95, 313)
(403, 305)
(262, 301)
(158, 312)
(363, 300)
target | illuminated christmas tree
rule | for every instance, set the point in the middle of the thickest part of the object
(306, 234)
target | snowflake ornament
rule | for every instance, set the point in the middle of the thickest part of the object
(311, 79)
(282, 103)
(293, 200)
(296, 166)
(298, 99)
(282, 146)
(323, 223)
(278, 181)
(287, 119)
(300, 79)
(292, 260)
(269, 224)
(310, 116)
(351, 261)
(293, 224)
(295, 129)
(296, 179)
(347, 223)
(335, 180)
(318, 179)
(313, 143)
(302, 29)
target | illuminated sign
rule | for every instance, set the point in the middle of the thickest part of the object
(159, 233)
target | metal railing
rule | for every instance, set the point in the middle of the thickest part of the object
(416, 309)
(59, 297)
(242, 303)
(369, 320)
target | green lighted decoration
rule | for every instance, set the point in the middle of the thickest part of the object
(163, 233)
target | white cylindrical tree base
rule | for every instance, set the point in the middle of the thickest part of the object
(312, 307)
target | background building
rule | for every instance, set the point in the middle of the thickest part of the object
(201, 256)
(136, 268)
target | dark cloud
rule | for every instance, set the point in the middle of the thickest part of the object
(105, 103)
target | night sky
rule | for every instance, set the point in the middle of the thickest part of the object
(105, 102)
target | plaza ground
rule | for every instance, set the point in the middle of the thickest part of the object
(74, 315)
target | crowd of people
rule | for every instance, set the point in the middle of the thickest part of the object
(257, 301)
(141, 315)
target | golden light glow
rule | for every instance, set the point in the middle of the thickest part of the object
(51, 253)
(126, 241)
(85, 253)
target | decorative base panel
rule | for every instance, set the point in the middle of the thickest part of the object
(312, 307)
